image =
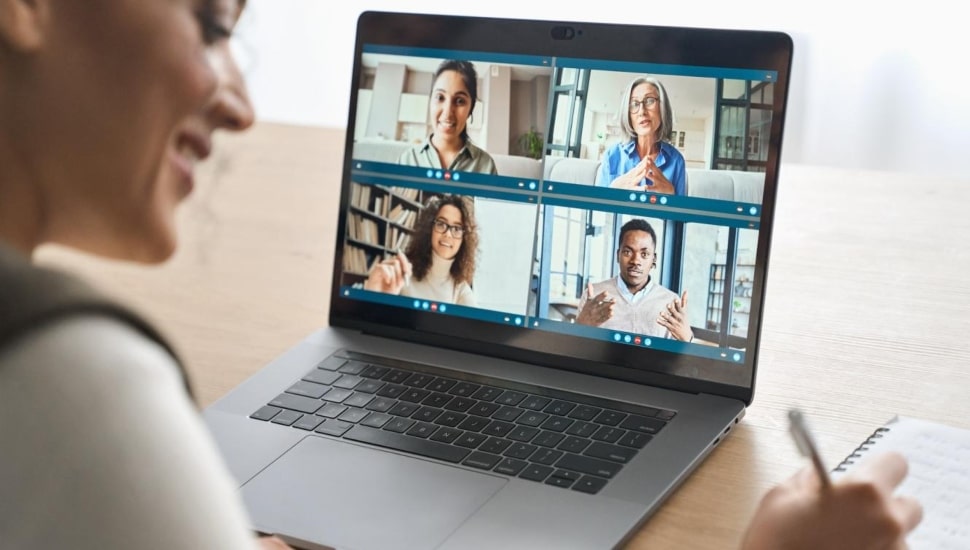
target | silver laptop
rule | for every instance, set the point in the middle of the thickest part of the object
(548, 370)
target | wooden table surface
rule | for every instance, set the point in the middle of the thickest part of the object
(867, 312)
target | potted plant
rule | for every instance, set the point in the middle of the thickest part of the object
(532, 143)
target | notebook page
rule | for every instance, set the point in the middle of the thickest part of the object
(939, 476)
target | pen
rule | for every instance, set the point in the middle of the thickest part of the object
(806, 444)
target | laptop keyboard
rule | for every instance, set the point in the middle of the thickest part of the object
(542, 435)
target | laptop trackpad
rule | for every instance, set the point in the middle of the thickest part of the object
(389, 501)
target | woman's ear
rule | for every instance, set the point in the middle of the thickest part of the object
(23, 23)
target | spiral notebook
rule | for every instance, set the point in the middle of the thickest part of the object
(939, 477)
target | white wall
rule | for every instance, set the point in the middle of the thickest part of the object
(874, 86)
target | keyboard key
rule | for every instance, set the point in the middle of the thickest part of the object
(408, 444)
(296, 403)
(322, 376)
(437, 399)
(587, 465)
(445, 434)
(608, 434)
(483, 409)
(520, 450)
(265, 413)
(392, 391)
(510, 467)
(441, 385)
(348, 381)
(556, 423)
(308, 422)
(395, 376)
(510, 398)
(422, 429)
(585, 412)
(337, 395)
(464, 389)
(451, 419)
(589, 484)
(474, 423)
(495, 445)
(487, 393)
(369, 386)
(427, 414)
(286, 418)
(582, 429)
(535, 403)
(353, 367)
(331, 363)
(523, 433)
(470, 440)
(643, 424)
(531, 418)
(331, 410)
(610, 452)
(636, 440)
(418, 380)
(460, 404)
(610, 418)
(335, 428)
(559, 407)
(381, 404)
(548, 439)
(485, 461)
(414, 395)
(399, 425)
(375, 372)
(508, 414)
(353, 415)
(559, 482)
(573, 444)
(546, 456)
(376, 420)
(403, 409)
(498, 428)
(666, 415)
(359, 400)
(536, 472)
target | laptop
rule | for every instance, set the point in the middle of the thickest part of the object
(492, 374)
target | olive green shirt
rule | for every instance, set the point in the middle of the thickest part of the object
(470, 159)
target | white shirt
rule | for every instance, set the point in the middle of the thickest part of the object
(103, 449)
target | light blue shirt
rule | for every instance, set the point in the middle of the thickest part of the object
(630, 297)
(623, 157)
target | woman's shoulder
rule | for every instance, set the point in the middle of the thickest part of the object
(92, 350)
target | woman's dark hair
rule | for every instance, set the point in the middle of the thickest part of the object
(469, 77)
(419, 248)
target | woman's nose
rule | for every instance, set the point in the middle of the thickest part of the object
(230, 107)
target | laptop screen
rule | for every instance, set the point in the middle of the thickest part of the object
(547, 198)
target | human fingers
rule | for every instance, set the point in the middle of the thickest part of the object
(907, 510)
(683, 300)
(885, 470)
(589, 291)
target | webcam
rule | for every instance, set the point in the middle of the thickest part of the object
(560, 32)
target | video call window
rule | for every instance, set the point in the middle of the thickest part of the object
(537, 214)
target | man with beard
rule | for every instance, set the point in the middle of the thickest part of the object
(633, 301)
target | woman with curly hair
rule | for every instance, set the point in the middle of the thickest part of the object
(439, 263)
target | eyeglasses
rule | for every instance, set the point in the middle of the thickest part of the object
(456, 231)
(628, 253)
(647, 102)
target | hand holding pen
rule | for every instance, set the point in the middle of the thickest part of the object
(390, 275)
(859, 511)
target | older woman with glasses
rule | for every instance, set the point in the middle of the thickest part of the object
(646, 161)
(439, 262)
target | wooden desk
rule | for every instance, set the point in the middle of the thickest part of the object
(866, 315)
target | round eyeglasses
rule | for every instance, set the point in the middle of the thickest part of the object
(456, 231)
